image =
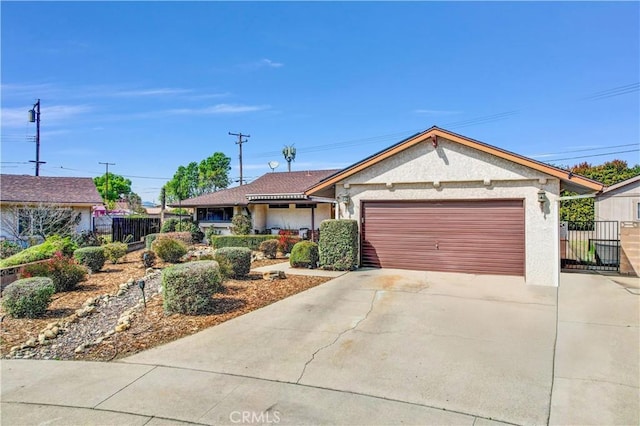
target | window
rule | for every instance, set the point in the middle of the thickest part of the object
(215, 214)
(305, 206)
(278, 206)
(638, 211)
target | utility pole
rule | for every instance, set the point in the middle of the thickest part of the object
(240, 142)
(34, 117)
(106, 191)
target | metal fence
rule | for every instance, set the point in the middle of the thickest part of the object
(590, 245)
(122, 227)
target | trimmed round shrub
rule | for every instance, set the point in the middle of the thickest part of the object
(169, 250)
(91, 257)
(241, 224)
(269, 248)
(64, 272)
(287, 240)
(148, 258)
(187, 288)
(304, 255)
(239, 257)
(186, 225)
(115, 251)
(9, 248)
(185, 237)
(28, 297)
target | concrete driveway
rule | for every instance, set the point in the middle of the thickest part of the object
(371, 347)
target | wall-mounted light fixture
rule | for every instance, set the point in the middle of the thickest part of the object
(434, 141)
(542, 197)
(344, 198)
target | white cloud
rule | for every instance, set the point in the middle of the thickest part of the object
(53, 114)
(218, 109)
(271, 64)
(163, 91)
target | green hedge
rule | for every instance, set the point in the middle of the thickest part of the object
(28, 297)
(91, 257)
(338, 245)
(238, 257)
(269, 248)
(249, 241)
(187, 288)
(42, 251)
(304, 255)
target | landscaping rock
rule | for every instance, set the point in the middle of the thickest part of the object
(274, 275)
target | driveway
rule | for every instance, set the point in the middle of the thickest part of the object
(371, 347)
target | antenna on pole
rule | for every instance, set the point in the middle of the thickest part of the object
(239, 143)
(34, 117)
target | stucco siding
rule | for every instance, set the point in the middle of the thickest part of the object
(9, 221)
(295, 218)
(620, 205)
(456, 172)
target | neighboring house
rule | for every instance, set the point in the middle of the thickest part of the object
(274, 201)
(439, 201)
(16, 191)
(620, 202)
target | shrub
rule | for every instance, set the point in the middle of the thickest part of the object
(91, 257)
(41, 251)
(148, 258)
(9, 248)
(86, 239)
(269, 248)
(338, 245)
(187, 288)
(64, 272)
(185, 237)
(169, 250)
(28, 297)
(286, 241)
(186, 225)
(115, 251)
(149, 239)
(304, 255)
(241, 224)
(249, 241)
(239, 257)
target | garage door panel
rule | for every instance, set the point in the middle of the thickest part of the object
(457, 236)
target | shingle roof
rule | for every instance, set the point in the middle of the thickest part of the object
(48, 189)
(283, 184)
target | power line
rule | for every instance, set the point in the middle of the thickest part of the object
(594, 155)
(616, 91)
(583, 150)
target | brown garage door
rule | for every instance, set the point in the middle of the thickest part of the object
(481, 237)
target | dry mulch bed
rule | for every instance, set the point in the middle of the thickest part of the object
(151, 326)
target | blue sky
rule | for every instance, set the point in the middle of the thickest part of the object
(151, 86)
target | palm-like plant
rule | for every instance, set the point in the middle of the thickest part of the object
(289, 153)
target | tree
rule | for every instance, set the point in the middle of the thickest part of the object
(289, 153)
(210, 175)
(608, 173)
(42, 220)
(118, 185)
(214, 173)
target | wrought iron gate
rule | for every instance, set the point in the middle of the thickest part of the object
(592, 245)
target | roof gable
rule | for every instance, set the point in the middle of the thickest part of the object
(431, 136)
(48, 189)
(622, 185)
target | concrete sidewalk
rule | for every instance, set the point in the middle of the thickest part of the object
(370, 347)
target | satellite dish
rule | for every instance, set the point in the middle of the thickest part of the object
(273, 165)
